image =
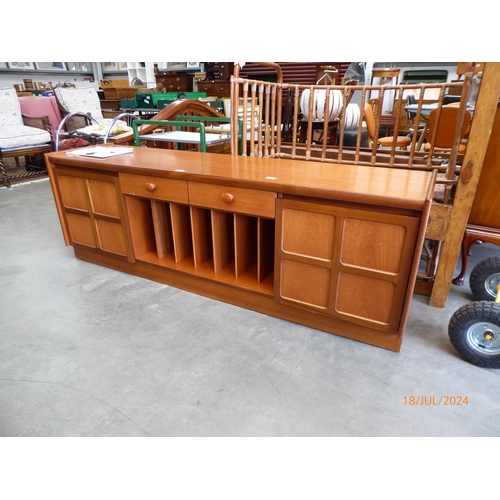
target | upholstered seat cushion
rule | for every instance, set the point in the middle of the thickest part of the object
(17, 136)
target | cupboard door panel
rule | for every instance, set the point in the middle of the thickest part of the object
(110, 236)
(104, 198)
(305, 284)
(365, 298)
(385, 243)
(73, 192)
(308, 233)
(80, 230)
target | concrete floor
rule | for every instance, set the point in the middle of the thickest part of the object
(88, 351)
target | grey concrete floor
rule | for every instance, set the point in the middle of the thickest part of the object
(88, 351)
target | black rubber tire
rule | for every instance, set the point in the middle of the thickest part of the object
(479, 278)
(465, 328)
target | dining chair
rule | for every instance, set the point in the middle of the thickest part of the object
(410, 117)
(441, 132)
(386, 76)
(400, 141)
(22, 135)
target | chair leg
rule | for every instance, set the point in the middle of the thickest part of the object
(3, 174)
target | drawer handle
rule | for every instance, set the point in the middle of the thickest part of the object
(150, 186)
(227, 197)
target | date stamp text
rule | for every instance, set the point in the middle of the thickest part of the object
(436, 400)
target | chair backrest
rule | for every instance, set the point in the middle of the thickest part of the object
(370, 121)
(410, 116)
(10, 108)
(83, 99)
(446, 126)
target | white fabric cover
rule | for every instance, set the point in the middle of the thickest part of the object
(10, 109)
(83, 99)
(13, 132)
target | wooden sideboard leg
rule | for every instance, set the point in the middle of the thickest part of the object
(468, 242)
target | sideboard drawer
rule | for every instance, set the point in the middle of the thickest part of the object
(219, 89)
(232, 199)
(154, 187)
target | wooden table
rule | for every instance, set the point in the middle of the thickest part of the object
(333, 247)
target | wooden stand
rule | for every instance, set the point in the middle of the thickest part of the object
(333, 248)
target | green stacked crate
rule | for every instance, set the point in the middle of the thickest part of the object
(164, 96)
(144, 100)
(195, 95)
(128, 103)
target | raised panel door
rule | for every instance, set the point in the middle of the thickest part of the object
(344, 262)
(92, 210)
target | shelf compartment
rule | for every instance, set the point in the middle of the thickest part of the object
(265, 259)
(245, 243)
(201, 235)
(181, 231)
(220, 246)
(223, 240)
(162, 228)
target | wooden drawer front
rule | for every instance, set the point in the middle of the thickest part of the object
(217, 89)
(154, 187)
(232, 199)
(176, 88)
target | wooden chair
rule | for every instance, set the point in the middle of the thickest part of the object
(383, 77)
(400, 141)
(21, 135)
(441, 130)
(410, 117)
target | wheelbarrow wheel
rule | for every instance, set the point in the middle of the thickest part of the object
(474, 331)
(484, 279)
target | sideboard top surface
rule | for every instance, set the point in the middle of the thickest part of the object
(362, 184)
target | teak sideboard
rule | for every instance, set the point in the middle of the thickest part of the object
(334, 247)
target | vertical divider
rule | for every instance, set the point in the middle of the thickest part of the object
(245, 243)
(202, 235)
(162, 228)
(265, 257)
(140, 223)
(223, 239)
(181, 231)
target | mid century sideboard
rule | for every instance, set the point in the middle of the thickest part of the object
(333, 247)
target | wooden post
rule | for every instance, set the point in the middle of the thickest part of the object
(479, 136)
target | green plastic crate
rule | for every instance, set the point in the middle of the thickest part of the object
(128, 103)
(195, 95)
(164, 96)
(163, 103)
(144, 100)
